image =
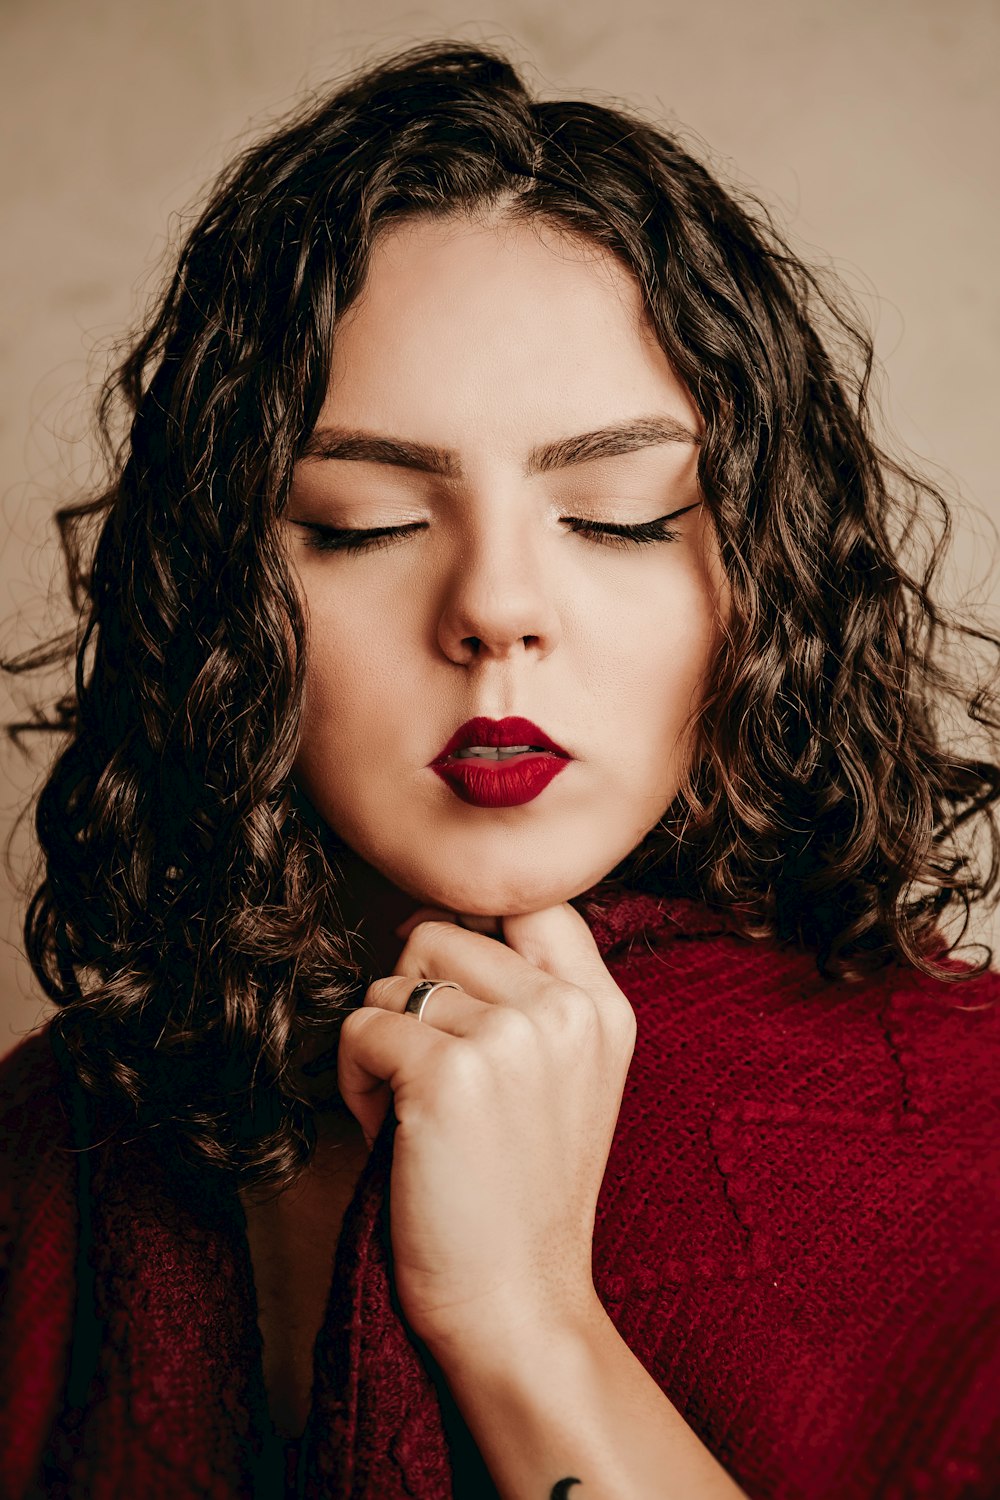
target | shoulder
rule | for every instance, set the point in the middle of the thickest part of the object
(684, 967)
(36, 1128)
(38, 1248)
(751, 1033)
(31, 1084)
(808, 1169)
(684, 950)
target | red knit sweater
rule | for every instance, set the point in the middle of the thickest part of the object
(797, 1234)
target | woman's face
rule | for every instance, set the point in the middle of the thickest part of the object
(492, 385)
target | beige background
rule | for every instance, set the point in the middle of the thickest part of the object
(870, 125)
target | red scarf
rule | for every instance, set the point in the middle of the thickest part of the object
(797, 1235)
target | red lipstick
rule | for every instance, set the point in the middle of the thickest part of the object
(486, 781)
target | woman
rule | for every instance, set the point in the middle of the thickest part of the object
(495, 550)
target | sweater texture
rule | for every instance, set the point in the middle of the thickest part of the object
(798, 1235)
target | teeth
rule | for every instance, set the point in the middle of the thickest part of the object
(491, 752)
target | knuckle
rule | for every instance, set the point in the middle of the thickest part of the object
(621, 1031)
(351, 1023)
(572, 1011)
(430, 935)
(379, 990)
(510, 1027)
(626, 1025)
(460, 1071)
(626, 1046)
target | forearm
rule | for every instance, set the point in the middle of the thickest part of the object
(575, 1403)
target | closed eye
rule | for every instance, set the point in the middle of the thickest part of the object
(606, 533)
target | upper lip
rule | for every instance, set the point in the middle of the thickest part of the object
(514, 731)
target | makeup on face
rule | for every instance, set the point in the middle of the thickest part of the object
(499, 762)
(510, 584)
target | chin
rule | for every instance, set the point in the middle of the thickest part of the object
(509, 898)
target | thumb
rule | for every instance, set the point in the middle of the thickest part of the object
(558, 941)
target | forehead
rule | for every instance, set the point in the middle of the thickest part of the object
(472, 256)
(495, 321)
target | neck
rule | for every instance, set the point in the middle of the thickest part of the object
(370, 907)
(373, 907)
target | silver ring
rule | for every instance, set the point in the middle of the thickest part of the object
(422, 992)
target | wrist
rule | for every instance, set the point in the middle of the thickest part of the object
(504, 1340)
(546, 1397)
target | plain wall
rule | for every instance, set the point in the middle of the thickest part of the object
(870, 126)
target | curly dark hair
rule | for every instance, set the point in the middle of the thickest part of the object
(187, 923)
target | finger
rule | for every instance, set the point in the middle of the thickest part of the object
(370, 1111)
(424, 914)
(545, 952)
(479, 965)
(450, 1010)
(378, 1052)
(558, 941)
(491, 926)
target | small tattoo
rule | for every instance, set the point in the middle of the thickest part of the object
(560, 1490)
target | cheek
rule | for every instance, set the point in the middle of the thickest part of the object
(667, 640)
(353, 665)
(665, 684)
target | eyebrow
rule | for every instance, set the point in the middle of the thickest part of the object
(604, 442)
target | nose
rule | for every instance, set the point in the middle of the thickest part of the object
(498, 600)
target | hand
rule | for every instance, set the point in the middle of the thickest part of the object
(506, 1096)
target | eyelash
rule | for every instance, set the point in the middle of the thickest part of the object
(606, 533)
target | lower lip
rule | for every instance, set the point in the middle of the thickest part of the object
(501, 783)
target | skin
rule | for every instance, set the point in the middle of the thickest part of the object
(490, 339)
